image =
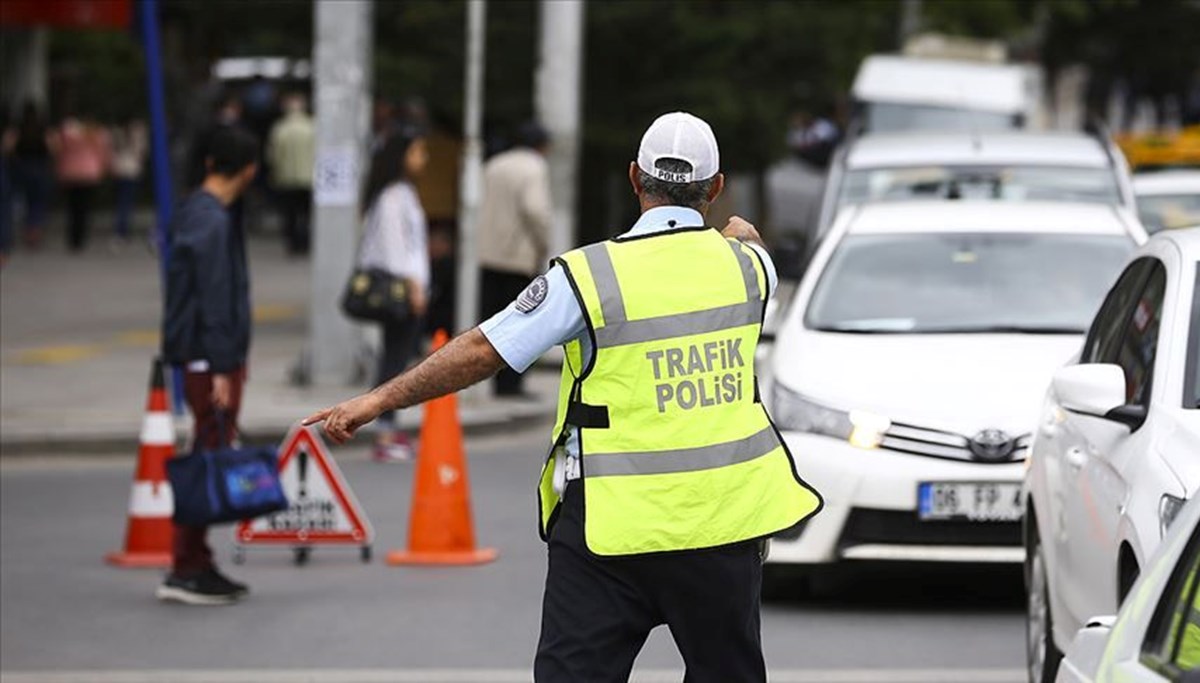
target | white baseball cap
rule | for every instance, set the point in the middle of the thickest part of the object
(679, 135)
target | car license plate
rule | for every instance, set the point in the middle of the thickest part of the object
(975, 501)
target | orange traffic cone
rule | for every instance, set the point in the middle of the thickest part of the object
(439, 528)
(148, 536)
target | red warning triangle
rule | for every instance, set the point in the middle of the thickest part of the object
(322, 507)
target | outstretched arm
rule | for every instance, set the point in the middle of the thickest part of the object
(467, 359)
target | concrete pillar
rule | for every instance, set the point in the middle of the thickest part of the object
(342, 96)
(471, 180)
(558, 95)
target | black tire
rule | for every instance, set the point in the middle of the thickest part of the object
(1127, 575)
(1042, 656)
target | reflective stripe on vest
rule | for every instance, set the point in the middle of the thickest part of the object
(683, 459)
(687, 458)
(619, 330)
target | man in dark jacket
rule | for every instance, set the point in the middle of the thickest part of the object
(206, 329)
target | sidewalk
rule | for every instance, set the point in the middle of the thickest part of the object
(77, 335)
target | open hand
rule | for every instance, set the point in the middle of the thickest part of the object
(418, 299)
(344, 419)
(222, 391)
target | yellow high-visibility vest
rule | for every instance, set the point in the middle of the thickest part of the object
(676, 451)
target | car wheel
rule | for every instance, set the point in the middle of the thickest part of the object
(1127, 574)
(1042, 655)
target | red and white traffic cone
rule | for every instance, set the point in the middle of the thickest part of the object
(149, 534)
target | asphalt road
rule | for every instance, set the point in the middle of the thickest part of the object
(68, 616)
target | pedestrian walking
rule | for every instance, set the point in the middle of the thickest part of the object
(28, 146)
(82, 154)
(206, 329)
(290, 150)
(665, 473)
(227, 114)
(395, 240)
(130, 143)
(514, 229)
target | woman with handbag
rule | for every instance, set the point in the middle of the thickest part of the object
(394, 252)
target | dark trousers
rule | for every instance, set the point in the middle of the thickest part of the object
(296, 205)
(191, 551)
(399, 346)
(597, 612)
(125, 190)
(79, 214)
(498, 289)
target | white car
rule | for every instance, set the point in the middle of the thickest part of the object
(906, 374)
(1156, 637)
(1014, 165)
(1117, 448)
(1168, 199)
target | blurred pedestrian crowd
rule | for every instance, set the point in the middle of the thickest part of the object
(70, 160)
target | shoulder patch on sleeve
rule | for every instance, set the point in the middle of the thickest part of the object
(534, 295)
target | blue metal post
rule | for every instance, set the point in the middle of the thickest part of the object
(163, 188)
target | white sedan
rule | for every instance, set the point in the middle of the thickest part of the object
(907, 371)
(1168, 199)
(1156, 637)
(1117, 451)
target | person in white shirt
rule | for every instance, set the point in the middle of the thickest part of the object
(291, 153)
(130, 144)
(395, 240)
(514, 229)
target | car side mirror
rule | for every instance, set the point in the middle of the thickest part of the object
(1098, 390)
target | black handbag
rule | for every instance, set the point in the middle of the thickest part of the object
(228, 484)
(375, 295)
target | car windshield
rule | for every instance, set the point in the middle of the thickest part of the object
(1055, 183)
(887, 117)
(966, 282)
(1166, 211)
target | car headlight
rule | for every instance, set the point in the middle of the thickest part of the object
(794, 412)
(1168, 508)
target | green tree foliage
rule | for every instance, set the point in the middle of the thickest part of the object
(744, 65)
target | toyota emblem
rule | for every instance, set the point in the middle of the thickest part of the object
(992, 445)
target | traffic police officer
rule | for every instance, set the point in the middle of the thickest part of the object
(665, 472)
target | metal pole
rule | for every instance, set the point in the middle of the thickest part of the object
(910, 21)
(341, 61)
(471, 180)
(557, 102)
(24, 58)
(164, 199)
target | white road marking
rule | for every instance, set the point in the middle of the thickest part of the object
(495, 676)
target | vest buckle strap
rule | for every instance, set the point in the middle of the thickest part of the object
(587, 416)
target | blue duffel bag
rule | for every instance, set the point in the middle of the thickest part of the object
(228, 484)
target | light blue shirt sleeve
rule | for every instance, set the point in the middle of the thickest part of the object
(521, 338)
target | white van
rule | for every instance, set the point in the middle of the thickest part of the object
(895, 93)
